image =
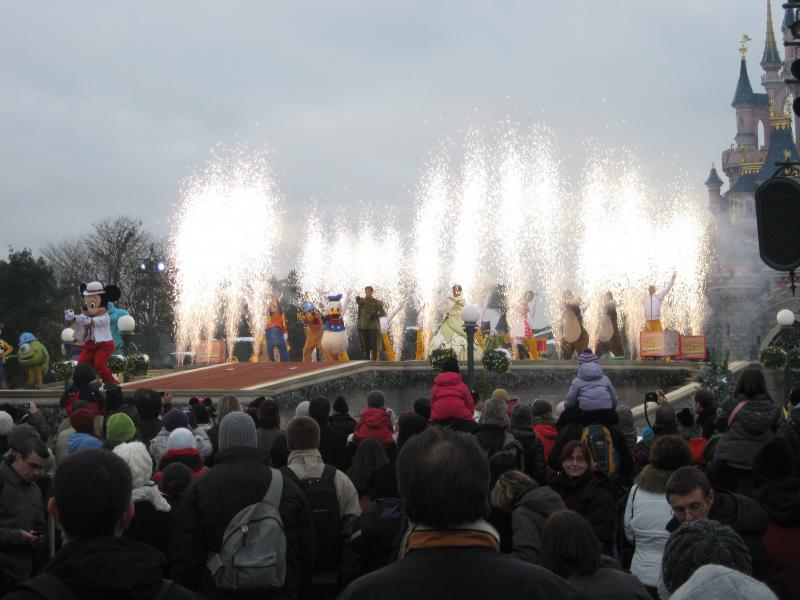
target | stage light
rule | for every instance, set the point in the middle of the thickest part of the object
(160, 266)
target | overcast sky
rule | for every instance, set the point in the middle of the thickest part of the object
(106, 107)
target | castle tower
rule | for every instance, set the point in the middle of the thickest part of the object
(790, 53)
(772, 79)
(744, 102)
(714, 185)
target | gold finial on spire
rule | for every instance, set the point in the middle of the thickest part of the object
(772, 113)
(743, 44)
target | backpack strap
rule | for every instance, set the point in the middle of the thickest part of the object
(49, 587)
(735, 412)
(329, 472)
(275, 489)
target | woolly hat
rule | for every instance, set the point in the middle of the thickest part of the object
(775, 459)
(175, 418)
(237, 430)
(340, 405)
(301, 410)
(587, 356)
(699, 543)
(522, 416)
(180, 439)
(19, 434)
(82, 420)
(542, 408)
(175, 478)
(501, 394)
(137, 457)
(494, 412)
(120, 428)
(716, 581)
(6, 423)
(375, 399)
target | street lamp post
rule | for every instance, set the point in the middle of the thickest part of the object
(470, 315)
(126, 325)
(152, 267)
(786, 320)
(67, 338)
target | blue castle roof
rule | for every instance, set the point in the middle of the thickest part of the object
(744, 95)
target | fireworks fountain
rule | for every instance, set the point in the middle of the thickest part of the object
(225, 241)
(504, 214)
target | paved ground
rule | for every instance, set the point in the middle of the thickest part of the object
(228, 376)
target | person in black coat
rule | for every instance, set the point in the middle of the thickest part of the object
(341, 419)
(240, 478)
(587, 492)
(444, 481)
(332, 441)
(570, 427)
(522, 429)
(98, 562)
(148, 405)
(705, 412)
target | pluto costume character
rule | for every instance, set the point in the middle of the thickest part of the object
(34, 357)
(574, 337)
(93, 327)
(334, 335)
(311, 317)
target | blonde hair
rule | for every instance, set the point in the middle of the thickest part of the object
(227, 405)
(510, 485)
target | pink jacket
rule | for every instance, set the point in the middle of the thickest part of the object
(450, 398)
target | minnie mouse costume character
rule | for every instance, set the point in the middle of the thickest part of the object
(94, 327)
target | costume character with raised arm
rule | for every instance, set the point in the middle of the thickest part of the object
(652, 305)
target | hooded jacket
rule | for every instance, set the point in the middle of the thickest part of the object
(374, 423)
(20, 508)
(450, 398)
(752, 427)
(109, 567)
(343, 422)
(715, 582)
(647, 513)
(591, 390)
(531, 510)
(82, 441)
(545, 430)
(533, 453)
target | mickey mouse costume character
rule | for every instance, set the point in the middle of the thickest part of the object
(93, 327)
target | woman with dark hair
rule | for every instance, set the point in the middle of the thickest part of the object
(529, 506)
(747, 422)
(368, 459)
(269, 424)
(648, 512)
(148, 405)
(571, 550)
(586, 491)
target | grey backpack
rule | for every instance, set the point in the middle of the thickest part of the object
(253, 552)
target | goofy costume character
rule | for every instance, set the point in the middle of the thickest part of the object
(276, 332)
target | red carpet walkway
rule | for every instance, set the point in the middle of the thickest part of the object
(229, 376)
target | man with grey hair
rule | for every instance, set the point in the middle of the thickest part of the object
(240, 478)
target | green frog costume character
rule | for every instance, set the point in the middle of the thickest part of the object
(34, 358)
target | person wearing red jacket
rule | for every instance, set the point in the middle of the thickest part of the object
(376, 422)
(544, 425)
(451, 399)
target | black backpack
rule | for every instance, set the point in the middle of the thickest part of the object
(324, 503)
(378, 533)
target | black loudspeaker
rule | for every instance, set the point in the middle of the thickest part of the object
(778, 219)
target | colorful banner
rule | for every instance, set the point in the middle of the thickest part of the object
(654, 344)
(693, 347)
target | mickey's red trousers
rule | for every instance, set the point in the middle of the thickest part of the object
(97, 354)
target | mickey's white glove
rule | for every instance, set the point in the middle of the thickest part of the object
(69, 314)
(285, 337)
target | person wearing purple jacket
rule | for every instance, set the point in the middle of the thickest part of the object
(591, 390)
